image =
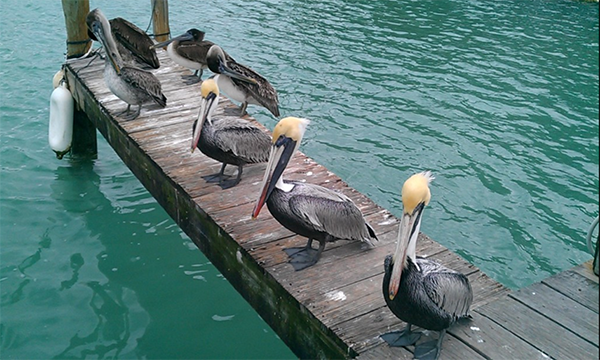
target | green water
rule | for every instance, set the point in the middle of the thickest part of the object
(498, 98)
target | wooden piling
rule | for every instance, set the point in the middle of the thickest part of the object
(78, 41)
(160, 20)
(84, 142)
(78, 44)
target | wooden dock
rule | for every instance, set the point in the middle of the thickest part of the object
(334, 309)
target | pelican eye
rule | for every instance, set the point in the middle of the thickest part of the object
(211, 95)
(282, 140)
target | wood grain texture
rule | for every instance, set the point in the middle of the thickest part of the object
(78, 41)
(331, 310)
(547, 335)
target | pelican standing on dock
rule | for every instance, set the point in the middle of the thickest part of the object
(189, 50)
(134, 45)
(420, 291)
(241, 83)
(228, 140)
(130, 84)
(308, 210)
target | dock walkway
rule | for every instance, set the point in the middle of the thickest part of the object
(334, 309)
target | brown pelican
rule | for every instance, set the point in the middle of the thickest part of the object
(417, 290)
(130, 84)
(189, 50)
(134, 45)
(233, 80)
(229, 140)
(305, 209)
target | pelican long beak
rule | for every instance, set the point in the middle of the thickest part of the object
(405, 246)
(113, 60)
(101, 29)
(206, 108)
(183, 37)
(281, 153)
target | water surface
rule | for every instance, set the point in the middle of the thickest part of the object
(498, 99)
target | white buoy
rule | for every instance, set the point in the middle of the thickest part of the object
(60, 132)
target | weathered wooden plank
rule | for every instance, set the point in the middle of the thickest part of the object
(374, 300)
(576, 287)
(305, 336)
(586, 270)
(561, 309)
(452, 349)
(373, 347)
(494, 341)
(548, 336)
(303, 307)
(383, 351)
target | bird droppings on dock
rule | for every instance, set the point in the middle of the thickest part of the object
(336, 296)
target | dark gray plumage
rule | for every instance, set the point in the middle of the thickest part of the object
(308, 210)
(319, 214)
(229, 140)
(137, 43)
(421, 291)
(133, 44)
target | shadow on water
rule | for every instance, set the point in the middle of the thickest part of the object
(112, 327)
(157, 286)
(17, 295)
(111, 333)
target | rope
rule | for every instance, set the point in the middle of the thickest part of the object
(589, 235)
(151, 15)
(155, 35)
(79, 42)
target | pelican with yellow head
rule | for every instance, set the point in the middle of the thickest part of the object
(230, 140)
(308, 210)
(420, 291)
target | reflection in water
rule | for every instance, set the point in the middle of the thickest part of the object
(110, 335)
(76, 264)
(15, 296)
(152, 281)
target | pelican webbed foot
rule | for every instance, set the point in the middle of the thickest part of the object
(306, 256)
(401, 338)
(429, 350)
(218, 177)
(215, 178)
(226, 184)
(191, 79)
(126, 113)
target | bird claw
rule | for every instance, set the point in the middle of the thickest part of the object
(302, 257)
(401, 338)
(226, 184)
(126, 115)
(215, 178)
(427, 350)
(191, 79)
